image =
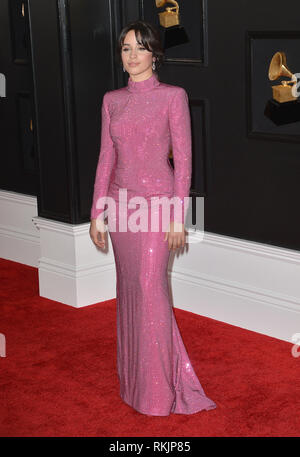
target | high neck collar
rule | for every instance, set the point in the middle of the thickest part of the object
(142, 86)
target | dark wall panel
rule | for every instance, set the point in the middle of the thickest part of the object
(18, 171)
(94, 72)
(247, 169)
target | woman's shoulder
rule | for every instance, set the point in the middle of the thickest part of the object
(173, 91)
(113, 94)
(172, 88)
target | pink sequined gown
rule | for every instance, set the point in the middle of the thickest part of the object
(139, 124)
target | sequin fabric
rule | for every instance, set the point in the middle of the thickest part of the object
(139, 123)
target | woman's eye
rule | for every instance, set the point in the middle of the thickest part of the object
(127, 49)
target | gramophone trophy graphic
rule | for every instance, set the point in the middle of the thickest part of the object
(284, 107)
(173, 33)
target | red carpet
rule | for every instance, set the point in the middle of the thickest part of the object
(59, 375)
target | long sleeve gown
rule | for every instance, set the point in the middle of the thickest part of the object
(139, 124)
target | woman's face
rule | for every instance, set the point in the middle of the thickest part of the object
(137, 60)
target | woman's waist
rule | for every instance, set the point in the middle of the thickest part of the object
(125, 193)
(143, 183)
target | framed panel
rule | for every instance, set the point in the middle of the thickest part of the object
(26, 137)
(19, 38)
(199, 118)
(260, 48)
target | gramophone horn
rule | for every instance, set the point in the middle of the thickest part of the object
(278, 66)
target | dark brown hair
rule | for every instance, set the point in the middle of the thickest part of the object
(146, 34)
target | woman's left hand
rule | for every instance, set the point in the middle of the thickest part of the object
(175, 235)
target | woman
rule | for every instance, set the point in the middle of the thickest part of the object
(139, 122)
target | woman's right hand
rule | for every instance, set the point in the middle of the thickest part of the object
(97, 230)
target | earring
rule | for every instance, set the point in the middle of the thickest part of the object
(153, 65)
(123, 68)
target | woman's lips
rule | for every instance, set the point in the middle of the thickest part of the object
(133, 64)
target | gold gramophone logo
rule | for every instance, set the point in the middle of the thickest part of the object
(284, 107)
(170, 16)
(173, 33)
(286, 91)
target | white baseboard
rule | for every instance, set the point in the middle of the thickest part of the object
(72, 270)
(246, 284)
(19, 238)
(250, 285)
